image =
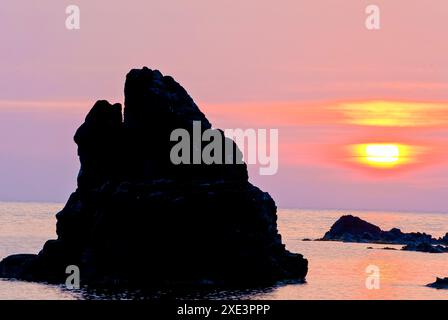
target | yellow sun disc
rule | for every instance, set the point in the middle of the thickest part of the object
(381, 155)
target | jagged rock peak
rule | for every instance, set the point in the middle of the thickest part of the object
(150, 96)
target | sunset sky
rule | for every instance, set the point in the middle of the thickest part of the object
(362, 114)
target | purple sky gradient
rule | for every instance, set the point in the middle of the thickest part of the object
(227, 53)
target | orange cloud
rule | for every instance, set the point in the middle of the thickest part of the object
(394, 113)
(378, 113)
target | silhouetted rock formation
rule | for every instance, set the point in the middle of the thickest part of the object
(445, 239)
(136, 219)
(353, 229)
(425, 247)
(439, 284)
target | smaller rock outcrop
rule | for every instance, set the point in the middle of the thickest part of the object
(353, 229)
(384, 248)
(440, 283)
(425, 247)
(444, 239)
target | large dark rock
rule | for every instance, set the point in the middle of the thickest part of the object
(137, 219)
(353, 229)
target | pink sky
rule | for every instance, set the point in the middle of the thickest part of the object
(292, 65)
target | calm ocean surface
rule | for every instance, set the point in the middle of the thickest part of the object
(336, 270)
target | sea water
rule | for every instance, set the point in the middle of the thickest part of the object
(336, 270)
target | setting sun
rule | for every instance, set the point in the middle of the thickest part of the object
(382, 155)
